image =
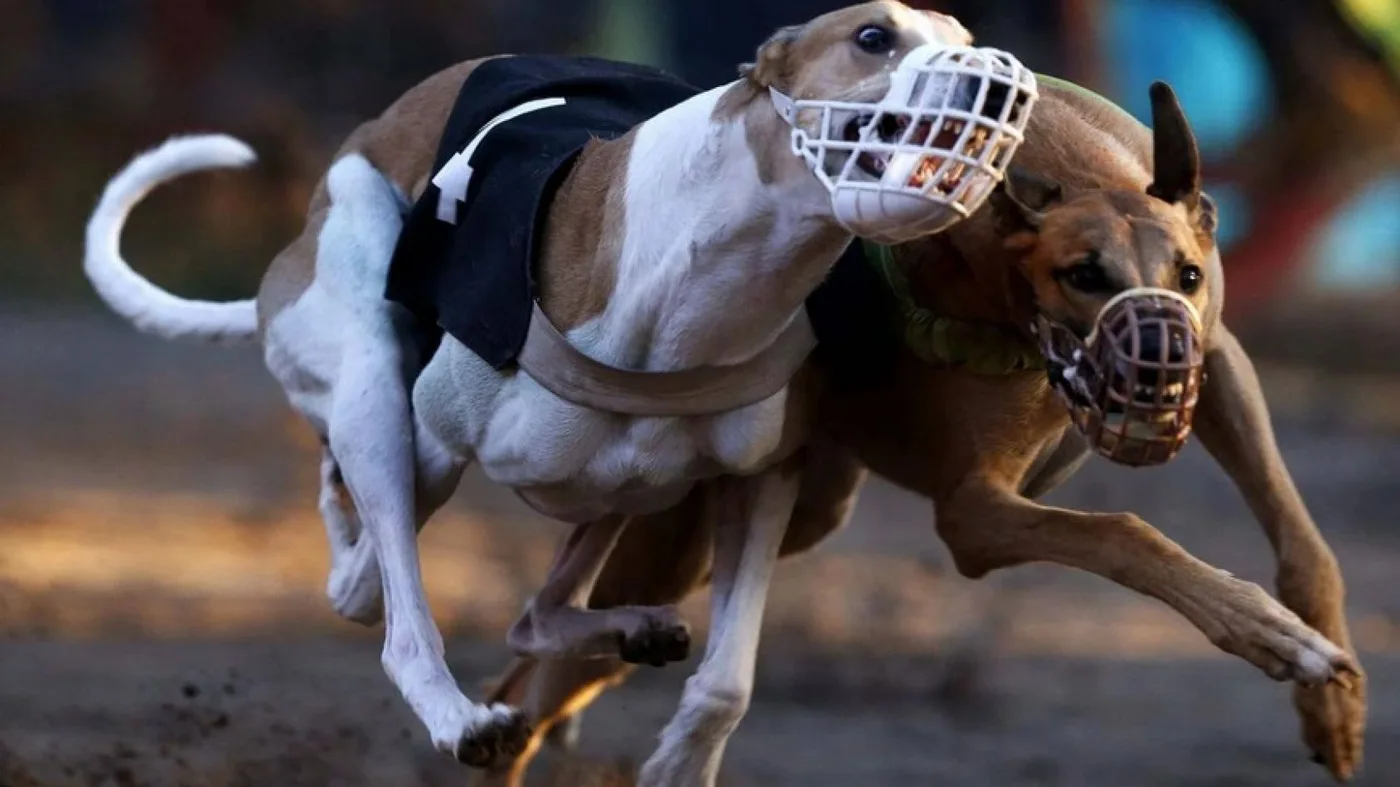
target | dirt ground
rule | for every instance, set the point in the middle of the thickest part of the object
(162, 566)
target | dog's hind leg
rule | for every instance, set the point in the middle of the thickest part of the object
(556, 624)
(751, 517)
(356, 586)
(371, 438)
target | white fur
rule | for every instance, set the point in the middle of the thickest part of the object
(923, 23)
(682, 279)
(751, 517)
(147, 306)
(340, 353)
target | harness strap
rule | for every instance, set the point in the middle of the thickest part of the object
(566, 372)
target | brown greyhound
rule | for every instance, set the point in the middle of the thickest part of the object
(1094, 218)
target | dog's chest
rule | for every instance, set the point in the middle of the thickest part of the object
(574, 463)
(606, 463)
(641, 466)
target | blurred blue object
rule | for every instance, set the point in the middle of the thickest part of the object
(1361, 247)
(1224, 84)
(1204, 52)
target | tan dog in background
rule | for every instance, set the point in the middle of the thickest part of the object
(982, 447)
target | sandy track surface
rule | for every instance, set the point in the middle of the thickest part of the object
(161, 570)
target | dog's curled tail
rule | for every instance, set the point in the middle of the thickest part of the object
(148, 307)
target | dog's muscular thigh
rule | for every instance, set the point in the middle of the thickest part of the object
(303, 336)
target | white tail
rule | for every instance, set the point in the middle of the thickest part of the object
(148, 307)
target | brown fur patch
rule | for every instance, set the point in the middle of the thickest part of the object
(583, 228)
(401, 143)
(584, 234)
(1137, 240)
(294, 268)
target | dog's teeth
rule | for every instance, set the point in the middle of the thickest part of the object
(1147, 391)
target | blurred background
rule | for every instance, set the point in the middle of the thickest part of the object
(162, 563)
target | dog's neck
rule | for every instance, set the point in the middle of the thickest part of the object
(713, 236)
(965, 274)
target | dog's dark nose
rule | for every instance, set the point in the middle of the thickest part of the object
(997, 94)
(1140, 363)
(1152, 337)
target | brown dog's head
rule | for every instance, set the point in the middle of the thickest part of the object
(1126, 286)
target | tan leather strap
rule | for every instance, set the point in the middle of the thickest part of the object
(561, 369)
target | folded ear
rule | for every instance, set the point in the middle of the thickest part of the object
(950, 31)
(1026, 197)
(773, 65)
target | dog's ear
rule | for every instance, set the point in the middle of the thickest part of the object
(950, 31)
(1025, 196)
(1207, 215)
(772, 66)
(1176, 161)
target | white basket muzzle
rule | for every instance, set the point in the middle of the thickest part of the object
(927, 154)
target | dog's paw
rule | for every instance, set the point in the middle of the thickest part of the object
(483, 737)
(658, 636)
(1334, 723)
(1251, 624)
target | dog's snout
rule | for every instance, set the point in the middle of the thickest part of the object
(1153, 338)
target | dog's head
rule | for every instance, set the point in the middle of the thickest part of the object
(1126, 286)
(907, 124)
(850, 52)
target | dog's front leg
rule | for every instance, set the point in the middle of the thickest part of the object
(372, 440)
(987, 527)
(751, 516)
(556, 624)
(1232, 420)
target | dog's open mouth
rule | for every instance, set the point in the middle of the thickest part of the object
(895, 130)
(1148, 409)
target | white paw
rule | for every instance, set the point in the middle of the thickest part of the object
(480, 736)
(1313, 658)
(1277, 641)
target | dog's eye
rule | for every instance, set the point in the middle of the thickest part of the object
(1086, 276)
(875, 39)
(1190, 278)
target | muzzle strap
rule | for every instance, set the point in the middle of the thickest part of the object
(785, 106)
(1145, 292)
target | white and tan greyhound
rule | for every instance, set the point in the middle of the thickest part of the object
(674, 259)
